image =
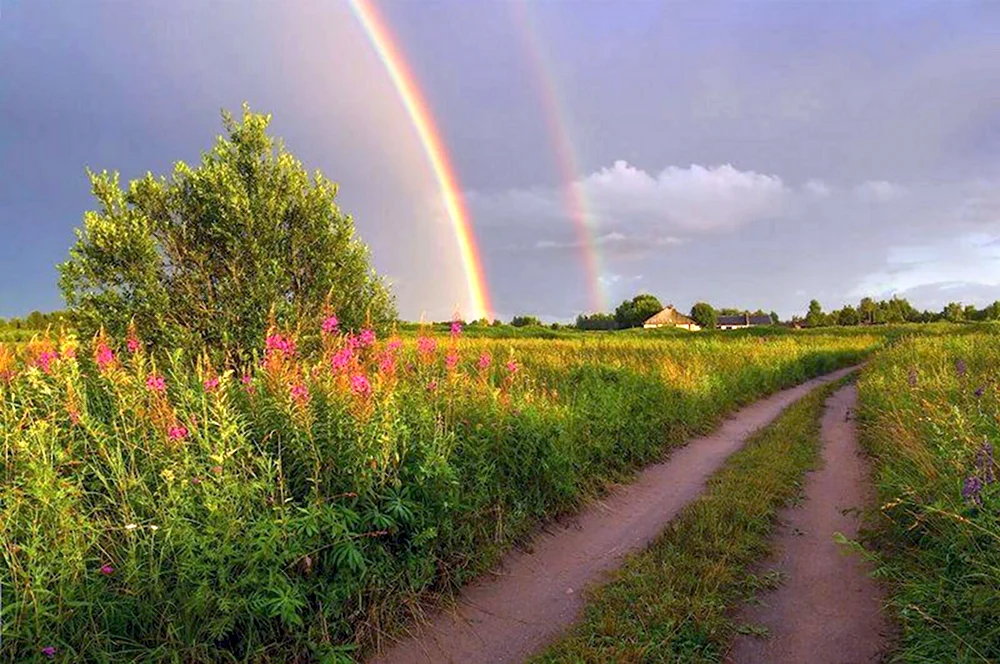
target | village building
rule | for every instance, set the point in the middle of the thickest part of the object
(741, 321)
(670, 317)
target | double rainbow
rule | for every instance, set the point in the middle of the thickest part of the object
(574, 201)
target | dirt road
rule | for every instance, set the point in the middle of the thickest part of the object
(828, 609)
(534, 596)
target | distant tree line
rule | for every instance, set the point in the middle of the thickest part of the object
(894, 310)
(36, 320)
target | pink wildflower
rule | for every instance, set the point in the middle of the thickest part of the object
(360, 385)
(211, 383)
(133, 345)
(451, 360)
(388, 363)
(512, 366)
(44, 360)
(426, 345)
(107, 570)
(275, 343)
(330, 324)
(394, 345)
(456, 329)
(49, 651)
(69, 352)
(366, 338)
(156, 383)
(341, 359)
(432, 386)
(485, 360)
(300, 393)
(104, 357)
(177, 432)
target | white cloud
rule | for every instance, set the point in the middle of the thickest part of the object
(879, 191)
(971, 258)
(817, 188)
(697, 198)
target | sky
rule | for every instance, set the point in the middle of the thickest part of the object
(748, 154)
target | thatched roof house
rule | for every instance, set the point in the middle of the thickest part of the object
(670, 317)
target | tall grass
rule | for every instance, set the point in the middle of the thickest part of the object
(929, 414)
(156, 508)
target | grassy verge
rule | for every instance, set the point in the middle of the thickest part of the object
(930, 418)
(671, 602)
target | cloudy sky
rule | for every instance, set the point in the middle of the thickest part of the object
(751, 154)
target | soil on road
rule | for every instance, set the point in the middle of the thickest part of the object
(828, 609)
(537, 593)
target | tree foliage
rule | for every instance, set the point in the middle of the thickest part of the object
(596, 321)
(635, 312)
(525, 321)
(704, 314)
(207, 255)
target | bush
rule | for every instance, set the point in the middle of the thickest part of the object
(203, 259)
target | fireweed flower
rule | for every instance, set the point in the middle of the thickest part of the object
(366, 338)
(451, 360)
(360, 385)
(341, 359)
(45, 358)
(103, 356)
(426, 345)
(177, 432)
(388, 363)
(330, 324)
(275, 343)
(107, 570)
(512, 366)
(156, 383)
(300, 393)
(211, 383)
(431, 386)
(133, 345)
(394, 345)
(485, 359)
(49, 651)
(456, 329)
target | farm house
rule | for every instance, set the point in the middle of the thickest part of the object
(670, 317)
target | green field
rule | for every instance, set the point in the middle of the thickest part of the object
(155, 508)
(298, 508)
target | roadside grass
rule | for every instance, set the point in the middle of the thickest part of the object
(929, 417)
(672, 602)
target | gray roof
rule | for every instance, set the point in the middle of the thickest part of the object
(743, 319)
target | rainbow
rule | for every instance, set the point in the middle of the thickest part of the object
(573, 197)
(380, 36)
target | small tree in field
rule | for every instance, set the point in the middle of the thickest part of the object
(206, 256)
(704, 314)
(634, 312)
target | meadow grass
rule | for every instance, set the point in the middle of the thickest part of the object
(155, 508)
(929, 411)
(673, 602)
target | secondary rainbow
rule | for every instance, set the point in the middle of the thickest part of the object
(380, 36)
(574, 200)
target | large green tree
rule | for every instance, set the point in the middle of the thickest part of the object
(815, 317)
(207, 255)
(635, 312)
